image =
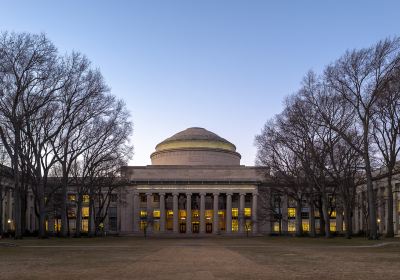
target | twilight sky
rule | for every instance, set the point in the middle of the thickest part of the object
(222, 65)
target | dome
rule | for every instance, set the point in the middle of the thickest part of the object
(195, 146)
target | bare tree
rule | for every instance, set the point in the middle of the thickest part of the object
(386, 133)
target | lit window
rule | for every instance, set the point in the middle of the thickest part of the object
(156, 213)
(276, 226)
(170, 213)
(85, 225)
(195, 213)
(71, 197)
(143, 225)
(333, 214)
(85, 212)
(291, 226)
(85, 198)
(306, 225)
(235, 212)
(332, 226)
(235, 225)
(247, 212)
(291, 212)
(143, 213)
(221, 213)
(182, 214)
(247, 225)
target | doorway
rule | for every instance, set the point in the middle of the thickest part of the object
(209, 228)
(182, 227)
(196, 227)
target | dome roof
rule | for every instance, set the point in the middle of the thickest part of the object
(195, 134)
(195, 146)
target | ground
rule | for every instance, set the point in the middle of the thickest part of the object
(200, 258)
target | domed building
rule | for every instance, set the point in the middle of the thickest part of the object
(195, 185)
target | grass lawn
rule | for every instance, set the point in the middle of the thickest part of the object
(200, 258)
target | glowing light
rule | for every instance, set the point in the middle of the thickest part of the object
(9, 221)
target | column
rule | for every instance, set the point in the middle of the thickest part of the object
(188, 213)
(202, 212)
(241, 217)
(228, 214)
(162, 212)
(215, 211)
(285, 219)
(136, 207)
(381, 210)
(127, 214)
(149, 210)
(395, 212)
(339, 220)
(254, 213)
(175, 210)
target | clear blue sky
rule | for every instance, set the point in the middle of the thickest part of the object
(222, 65)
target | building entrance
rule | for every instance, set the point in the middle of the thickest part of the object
(196, 227)
(182, 227)
(209, 228)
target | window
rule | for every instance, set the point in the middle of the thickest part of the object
(247, 212)
(276, 227)
(85, 212)
(142, 198)
(235, 212)
(71, 197)
(143, 214)
(291, 226)
(291, 212)
(156, 213)
(170, 214)
(112, 223)
(85, 198)
(306, 225)
(235, 225)
(333, 214)
(332, 225)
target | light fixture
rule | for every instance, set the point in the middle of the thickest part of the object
(9, 221)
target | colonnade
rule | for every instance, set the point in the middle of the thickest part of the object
(202, 211)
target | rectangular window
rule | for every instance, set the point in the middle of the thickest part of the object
(292, 212)
(332, 225)
(71, 197)
(333, 214)
(235, 212)
(143, 214)
(306, 225)
(247, 212)
(85, 212)
(85, 198)
(85, 225)
(156, 213)
(235, 225)
(291, 226)
(112, 223)
(276, 227)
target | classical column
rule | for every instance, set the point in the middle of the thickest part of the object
(136, 217)
(339, 220)
(228, 215)
(175, 211)
(188, 213)
(202, 212)
(285, 219)
(162, 212)
(395, 212)
(241, 217)
(381, 210)
(215, 211)
(254, 213)
(149, 210)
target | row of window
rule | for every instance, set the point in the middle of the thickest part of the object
(196, 213)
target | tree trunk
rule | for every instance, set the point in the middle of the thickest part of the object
(17, 190)
(373, 228)
(91, 226)
(63, 206)
(311, 216)
(78, 221)
(325, 213)
(299, 225)
(348, 221)
(389, 190)
(1, 211)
